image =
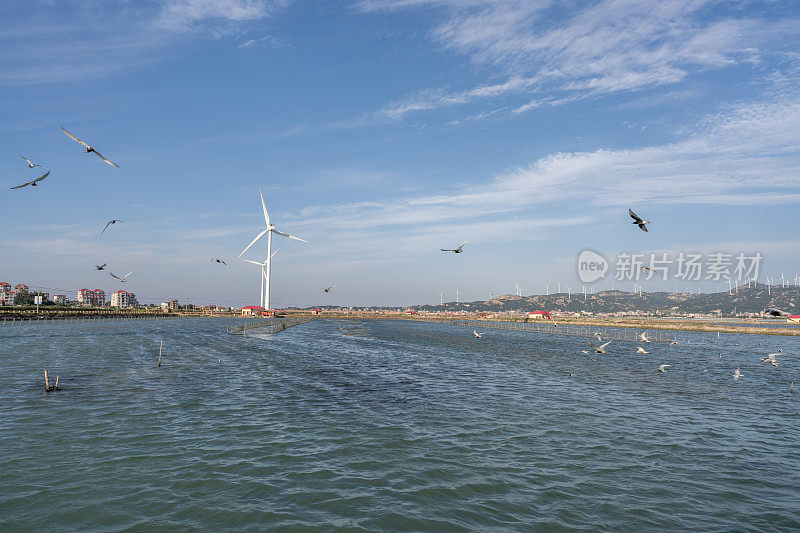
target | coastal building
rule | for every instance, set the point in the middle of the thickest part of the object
(252, 310)
(123, 299)
(5, 286)
(7, 297)
(60, 299)
(21, 289)
(91, 298)
(173, 305)
(539, 315)
(794, 319)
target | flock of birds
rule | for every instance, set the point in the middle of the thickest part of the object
(89, 150)
(601, 349)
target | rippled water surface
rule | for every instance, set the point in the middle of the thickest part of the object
(391, 425)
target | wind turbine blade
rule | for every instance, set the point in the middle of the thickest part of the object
(275, 252)
(254, 262)
(290, 236)
(254, 241)
(264, 207)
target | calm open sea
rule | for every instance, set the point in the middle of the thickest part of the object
(392, 426)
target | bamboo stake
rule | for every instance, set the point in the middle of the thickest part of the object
(46, 382)
(56, 382)
(159, 352)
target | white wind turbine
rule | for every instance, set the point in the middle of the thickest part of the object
(263, 273)
(268, 232)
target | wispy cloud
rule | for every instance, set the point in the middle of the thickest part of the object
(561, 54)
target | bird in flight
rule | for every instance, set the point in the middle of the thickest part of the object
(457, 250)
(122, 279)
(329, 289)
(643, 337)
(477, 335)
(641, 350)
(638, 221)
(601, 348)
(89, 149)
(663, 368)
(215, 260)
(32, 183)
(100, 267)
(770, 358)
(737, 374)
(112, 221)
(31, 164)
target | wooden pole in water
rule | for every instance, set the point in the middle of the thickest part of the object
(56, 382)
(791, 387)
(46, 382)
(159, 352)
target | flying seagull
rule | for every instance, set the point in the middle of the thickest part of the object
(215, 260)
(643, 337)
(638, 221)
(112, 221)
(639, 349)
(663, 368)
(31, 164)
(32, 183)
(100, 267)
(89, 149)
(737, 374)
(477, 335)
(329, 289)
(770, 358)
(124, 278)
(457, 250)
(601, 348)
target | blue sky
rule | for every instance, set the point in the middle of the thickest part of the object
(383, 130)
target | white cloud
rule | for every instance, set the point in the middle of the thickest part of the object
(562, 53)
(182, 14)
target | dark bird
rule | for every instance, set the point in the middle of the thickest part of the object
(33, 183)
(89, 149)
(329, 289)
(31, 164)
(457, 250)
(112, 221)
(215, 260)
(638, 221)
(100, 267)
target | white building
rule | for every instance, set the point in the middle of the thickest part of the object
(6, 297)
(123, 299)
(60, 299)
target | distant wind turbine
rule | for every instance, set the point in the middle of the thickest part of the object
(268, 232)
(263, 273)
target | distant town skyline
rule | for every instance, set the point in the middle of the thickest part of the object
(384, 130)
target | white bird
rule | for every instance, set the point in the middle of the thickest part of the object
(663, 368)
(584, 351)
(89, 149)
(598, 336)
(601, 348)
(737, 374)
(770, 358)
(457, 250)
(31, 164)
(477, 335)
(639, 349)
(643, 337)
(638, 221)
(33, 182)
(122, 279)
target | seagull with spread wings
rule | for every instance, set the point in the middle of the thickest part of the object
(329, 289)
(31, 164)
(457, 250)
(32, 183)
(215, 260)
(638, 221)
(112, 221)
(89, 149)
(122, 279)
(100, 267)
(601, 348)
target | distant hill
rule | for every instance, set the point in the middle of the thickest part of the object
(752, 300)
